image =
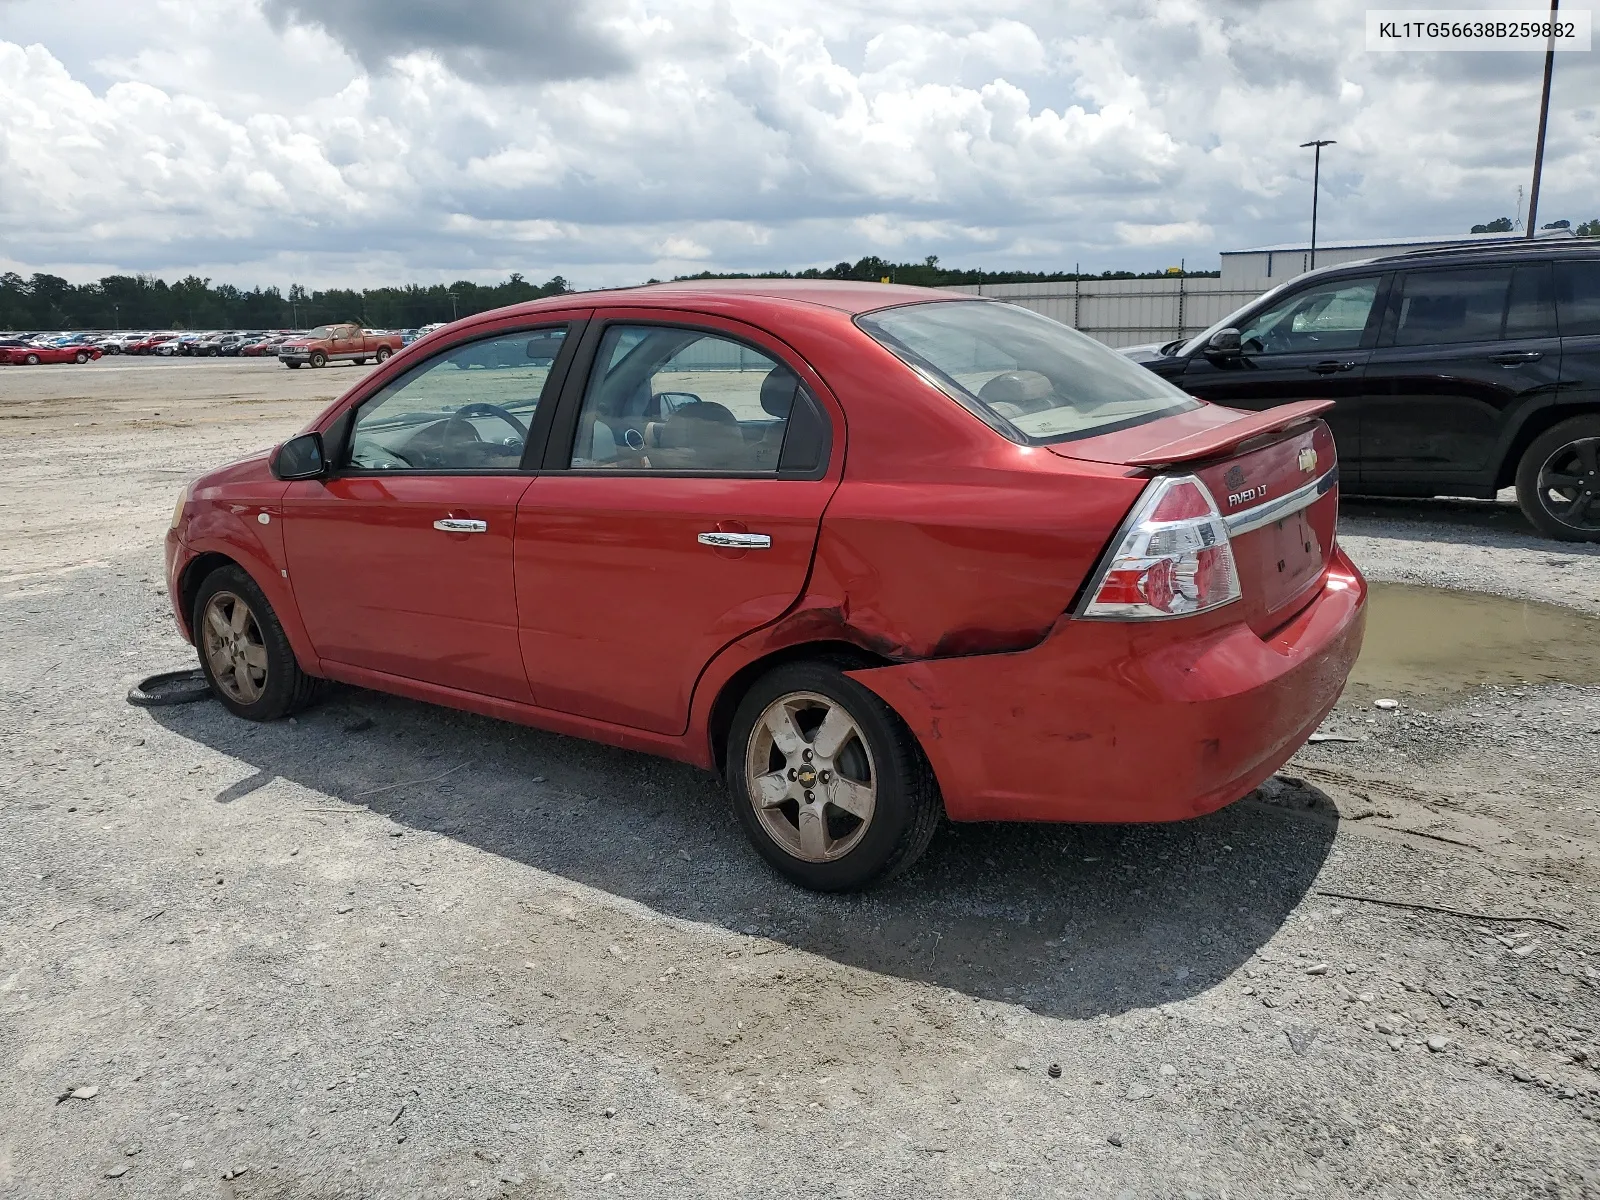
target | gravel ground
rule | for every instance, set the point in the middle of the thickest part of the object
(390, 950)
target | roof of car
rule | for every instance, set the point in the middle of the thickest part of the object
(1564, 248)
(843, 294)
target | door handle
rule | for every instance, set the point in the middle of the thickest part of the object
(460, 525)
(1512, 358)
(735, 541)
(1329, 367)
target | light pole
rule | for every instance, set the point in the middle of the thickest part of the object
(1316, 179)
(452, 306)
(1544, 116)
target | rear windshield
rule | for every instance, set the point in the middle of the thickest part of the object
(1033, 379)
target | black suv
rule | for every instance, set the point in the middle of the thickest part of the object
(1455, 371)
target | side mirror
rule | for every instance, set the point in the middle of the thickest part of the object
(1224, 343)
(300, 458)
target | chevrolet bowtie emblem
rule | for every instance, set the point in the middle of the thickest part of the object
(1308, 460)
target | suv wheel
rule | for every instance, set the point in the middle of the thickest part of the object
(244, 653)
(828, 783)
(1558, 481)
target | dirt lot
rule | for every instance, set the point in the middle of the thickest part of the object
(389, 950)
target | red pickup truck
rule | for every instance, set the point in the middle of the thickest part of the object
(333, 343)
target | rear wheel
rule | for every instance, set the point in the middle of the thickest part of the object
(32, 360)
(319, 359)
(244, 652)
(1558, 481)
(361, 362)
(383, 353)
(828, 783)
(80, 357)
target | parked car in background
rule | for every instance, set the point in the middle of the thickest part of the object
(337, 343)
(876, 554)
(34, 355)
(1451, 372)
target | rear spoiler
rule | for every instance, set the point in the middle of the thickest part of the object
(1209, 443)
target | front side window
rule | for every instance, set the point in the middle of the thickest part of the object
(1327, 316)
(661, 398)
(1578, 297)
(1446, 307)
(467, 409)
(1033, 379)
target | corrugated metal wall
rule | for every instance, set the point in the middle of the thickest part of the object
(1126, 312)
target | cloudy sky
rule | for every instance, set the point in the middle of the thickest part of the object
(379, 141)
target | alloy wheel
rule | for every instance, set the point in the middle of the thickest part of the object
(1569, 484)
(810, 777)
(234, 648)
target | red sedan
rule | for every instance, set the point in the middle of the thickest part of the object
(28, 356)
(875, 554)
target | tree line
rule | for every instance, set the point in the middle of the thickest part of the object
(142, 302)
(44, 301)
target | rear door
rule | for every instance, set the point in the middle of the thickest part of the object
(1465, 352)
(1311, 344)
(1578, 305)
(679, 508)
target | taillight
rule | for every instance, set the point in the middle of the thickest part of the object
(1174, 558)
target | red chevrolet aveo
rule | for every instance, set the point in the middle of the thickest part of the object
(876, 554)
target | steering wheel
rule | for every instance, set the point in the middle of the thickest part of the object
(481, 409)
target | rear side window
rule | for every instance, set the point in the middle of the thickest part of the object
(1443, 307)
(1531, 310)
(1578, 297)
(1030, 378)
(663, 398)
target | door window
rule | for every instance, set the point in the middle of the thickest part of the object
(1444, 307)
(467, 409)
(1578, 297)
(669, 399)
(1327, 316)
(1531, 309)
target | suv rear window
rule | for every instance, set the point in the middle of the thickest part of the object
(1030, 378)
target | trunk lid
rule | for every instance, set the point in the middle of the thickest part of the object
(1274, 477)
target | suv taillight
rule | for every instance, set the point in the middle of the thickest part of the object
(1172, 559)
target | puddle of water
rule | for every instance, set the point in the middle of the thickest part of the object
(1425, 640)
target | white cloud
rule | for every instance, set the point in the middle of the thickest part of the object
(199, 134)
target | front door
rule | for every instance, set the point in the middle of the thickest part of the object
(401, 562)
(1465, 352)
(1312, 344)
(684, 515)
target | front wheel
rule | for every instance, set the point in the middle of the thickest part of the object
(1558, 481)
(319, 359)
(361, 362)
(80, 358)
(32, 360)
(829, 784)
(244, 653)
(293, 366)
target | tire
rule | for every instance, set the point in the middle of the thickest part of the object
(834, 850)
(293, 366)
(361, 362)
(319, 359)
(32, 360)
(272, 684)
(80, 358)
(383, 353)
(1558, 481)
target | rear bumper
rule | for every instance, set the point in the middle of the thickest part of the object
(1129, 722)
